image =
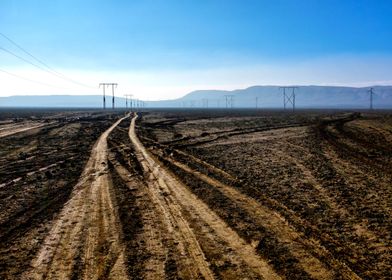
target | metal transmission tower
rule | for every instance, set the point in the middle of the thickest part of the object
(128, 96)
(107, 85)
(257, 100)
(137, 103)
(229, 101)
(204, 103)
(371, 93)
(289, 97)
(104, 99)
(113, 85)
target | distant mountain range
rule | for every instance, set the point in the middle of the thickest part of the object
(266, 96)
(59, 101)
(272, 97)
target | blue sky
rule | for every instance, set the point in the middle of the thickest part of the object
(164, 48)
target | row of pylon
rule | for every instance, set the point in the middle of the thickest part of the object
(136, 102)
(288, 98)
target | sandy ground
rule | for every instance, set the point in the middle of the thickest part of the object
(85, 240)
(174, 198)
(14, 128)
(271, 197)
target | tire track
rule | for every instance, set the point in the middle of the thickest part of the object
(301, 249)
(85, 241)
(154, 265)
(307, 251)
(8, 131)
(207, 165)
(174, 199)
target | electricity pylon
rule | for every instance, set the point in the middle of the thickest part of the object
(289, 97)
(107, 85)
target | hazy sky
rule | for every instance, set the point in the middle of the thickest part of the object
(164, 49)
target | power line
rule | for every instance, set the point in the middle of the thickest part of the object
(29, 80)
(47, 68)
(26, 52)
(38, 66)
(25, 60)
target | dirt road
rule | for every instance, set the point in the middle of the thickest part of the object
(11, 129)
(192, 223)
(182, 235)
(85, 240)
(312, 191)
(171, 196)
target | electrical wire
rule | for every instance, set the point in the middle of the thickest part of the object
(30, 80)
(28, 53)
(25, 60)
(47, 68)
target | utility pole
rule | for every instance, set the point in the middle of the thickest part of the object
(137, 103)
(257, 99)
(371, 93)
(113, 95)
(104, 100)
(204, 102)
(229, 101)
(289, 97)
(107, 85)
(130, 100)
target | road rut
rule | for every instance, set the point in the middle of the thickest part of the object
(85, 240)
(177, 201)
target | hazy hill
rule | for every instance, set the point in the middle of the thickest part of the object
(58, 101)
(272, 96)
(268, 96)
